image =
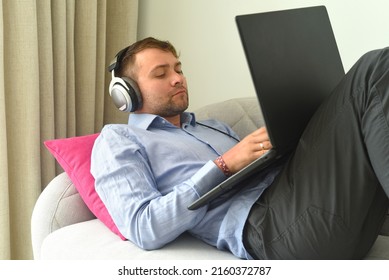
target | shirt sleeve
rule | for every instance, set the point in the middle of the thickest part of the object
(125, 183)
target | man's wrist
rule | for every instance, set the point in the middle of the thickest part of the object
(219, 161)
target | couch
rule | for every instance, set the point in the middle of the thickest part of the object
(63, 227)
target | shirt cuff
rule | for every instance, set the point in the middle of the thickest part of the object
(207, 177)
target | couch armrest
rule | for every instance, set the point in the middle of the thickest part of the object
(59, 205)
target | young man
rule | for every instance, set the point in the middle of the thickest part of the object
(319, 204)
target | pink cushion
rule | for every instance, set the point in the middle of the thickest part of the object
(74, 154)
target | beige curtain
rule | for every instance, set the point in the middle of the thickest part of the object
(53, 84)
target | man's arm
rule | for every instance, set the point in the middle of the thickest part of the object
(126, 184)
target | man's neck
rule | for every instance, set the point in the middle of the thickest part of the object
(175, 120)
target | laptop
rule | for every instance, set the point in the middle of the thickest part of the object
(295, 64)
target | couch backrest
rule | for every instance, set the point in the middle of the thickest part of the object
(242, 114)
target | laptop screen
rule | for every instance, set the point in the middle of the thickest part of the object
(294, 63)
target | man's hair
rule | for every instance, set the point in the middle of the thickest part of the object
(147, 43)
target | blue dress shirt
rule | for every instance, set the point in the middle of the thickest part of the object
(149, 171)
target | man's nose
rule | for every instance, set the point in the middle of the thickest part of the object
(178, 79)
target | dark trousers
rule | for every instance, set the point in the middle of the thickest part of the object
(331, 197)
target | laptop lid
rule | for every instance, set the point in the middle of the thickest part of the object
(294, 63)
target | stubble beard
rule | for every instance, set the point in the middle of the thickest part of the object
(174, 107)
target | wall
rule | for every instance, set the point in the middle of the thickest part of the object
(205, 34)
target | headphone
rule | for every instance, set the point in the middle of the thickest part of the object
(124, 91)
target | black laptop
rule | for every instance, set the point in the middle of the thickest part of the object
(295, 64)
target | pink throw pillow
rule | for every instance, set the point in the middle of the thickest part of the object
(74, 155)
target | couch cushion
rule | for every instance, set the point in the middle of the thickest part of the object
(246, 115)
(73, 154)
(380, 249)
(77, 243)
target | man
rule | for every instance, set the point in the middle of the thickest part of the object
(316, 205)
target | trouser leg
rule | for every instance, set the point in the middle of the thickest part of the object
(329, 201)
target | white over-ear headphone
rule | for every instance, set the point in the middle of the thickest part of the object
(124, 91)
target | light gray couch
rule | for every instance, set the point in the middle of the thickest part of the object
(64, 228)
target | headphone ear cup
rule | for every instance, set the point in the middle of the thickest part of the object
(125, 94)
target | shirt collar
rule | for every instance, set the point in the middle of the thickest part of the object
(145, 121)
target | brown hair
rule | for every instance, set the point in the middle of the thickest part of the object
(128, 59)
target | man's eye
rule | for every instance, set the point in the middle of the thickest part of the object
(160, 75)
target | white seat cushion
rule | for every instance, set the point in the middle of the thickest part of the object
(77, 241)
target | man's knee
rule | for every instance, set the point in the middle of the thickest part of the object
(376, 63)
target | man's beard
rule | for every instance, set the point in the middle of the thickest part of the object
(172, 108)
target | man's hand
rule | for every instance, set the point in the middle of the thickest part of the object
(246, 151)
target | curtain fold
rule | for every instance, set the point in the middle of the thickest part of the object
(53, 84)
(4, 201)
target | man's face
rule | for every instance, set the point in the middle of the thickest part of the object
(161, 82)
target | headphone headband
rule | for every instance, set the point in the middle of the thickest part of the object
(116, 62)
